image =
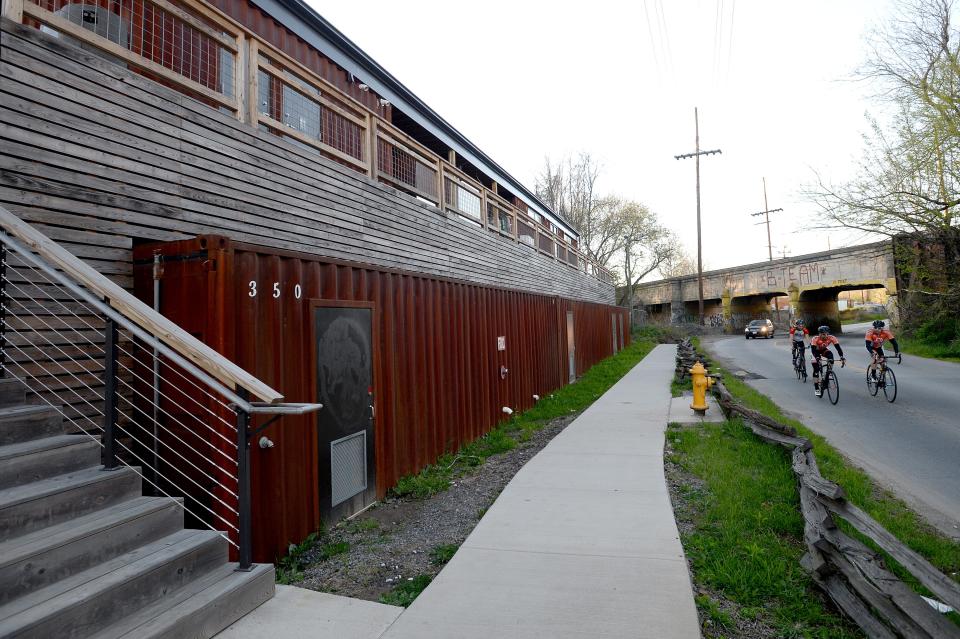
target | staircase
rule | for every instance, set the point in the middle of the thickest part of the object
(84, 554)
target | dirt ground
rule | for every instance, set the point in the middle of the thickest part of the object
(395, 540)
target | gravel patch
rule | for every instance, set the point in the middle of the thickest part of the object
(395, 540)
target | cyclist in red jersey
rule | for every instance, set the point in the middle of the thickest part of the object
(798, 333)
(820, 347)
(875, 338)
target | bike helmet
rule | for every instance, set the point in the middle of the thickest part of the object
(878, 324)
(824, 330)
(798, 323)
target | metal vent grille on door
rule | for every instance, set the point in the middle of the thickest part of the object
(348, 467)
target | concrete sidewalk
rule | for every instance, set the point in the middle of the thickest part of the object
(582, 542)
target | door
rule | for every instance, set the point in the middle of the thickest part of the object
(571, 349)
(343, 365)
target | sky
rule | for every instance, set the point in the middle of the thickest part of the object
(773, 83)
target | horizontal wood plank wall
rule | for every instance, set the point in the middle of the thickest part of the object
(438, 381)
(110, 158)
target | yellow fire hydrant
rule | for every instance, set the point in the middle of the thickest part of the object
(701, 383)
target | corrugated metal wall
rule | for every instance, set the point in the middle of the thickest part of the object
(437, 367)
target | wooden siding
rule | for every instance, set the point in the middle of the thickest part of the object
(437, 373)
(111, 158)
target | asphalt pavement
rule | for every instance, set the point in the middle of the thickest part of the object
(911, 446)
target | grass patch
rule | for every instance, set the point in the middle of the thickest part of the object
(709, 608)
(443, 553)
(406, 591)
(856, 315)
(363, 524)
(507, 435)
(748, 536)
(332, 550)
(948, 352)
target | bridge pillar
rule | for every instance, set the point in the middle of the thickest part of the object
(677, 309)
(725, 302)
(819, 307)
(893, 306)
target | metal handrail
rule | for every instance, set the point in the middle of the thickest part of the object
(33, 257)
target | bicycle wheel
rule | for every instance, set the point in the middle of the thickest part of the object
(796, 367)
(833, 387)
(872, 385)
(889, 385)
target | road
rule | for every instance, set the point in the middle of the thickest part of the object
(911, 446)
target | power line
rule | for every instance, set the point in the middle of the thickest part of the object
(766, 212)
(733, 10)
(653, 46)
(696, 156)
(665, 36)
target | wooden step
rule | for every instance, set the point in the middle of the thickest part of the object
(25, 509)
(28, 422)
(12, 392)
(93, 600)
(35, 561)
(203, 608)
(37, 459)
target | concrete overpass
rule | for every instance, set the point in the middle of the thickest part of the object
(734, 296)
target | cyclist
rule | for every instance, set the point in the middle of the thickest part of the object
(820, 347)
(875, 338)
(798, 334)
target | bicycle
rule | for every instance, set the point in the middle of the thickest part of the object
(800, 364)
(882, 377)
(829, 378)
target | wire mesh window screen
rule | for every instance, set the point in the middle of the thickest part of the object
(462, 200)
(546, 244)
(525, 233)
(154, 34)
(404, 167)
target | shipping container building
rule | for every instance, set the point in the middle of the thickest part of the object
(248, 171)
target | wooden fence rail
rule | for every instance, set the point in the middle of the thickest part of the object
(851, 573)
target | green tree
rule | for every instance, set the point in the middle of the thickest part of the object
(908, 181)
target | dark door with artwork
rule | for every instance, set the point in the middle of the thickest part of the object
(344, 378)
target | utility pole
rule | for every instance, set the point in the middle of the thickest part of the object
(766, 213)
(696, 156)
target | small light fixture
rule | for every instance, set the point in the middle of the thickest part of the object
(363, 87)
(384, 102)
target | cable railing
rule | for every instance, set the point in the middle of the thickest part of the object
(155, 398)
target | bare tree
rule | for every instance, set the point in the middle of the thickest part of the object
(678, 264)
(568, 187)
(908, 183)
(645, 245)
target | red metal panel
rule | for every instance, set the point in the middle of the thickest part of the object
(437, 366)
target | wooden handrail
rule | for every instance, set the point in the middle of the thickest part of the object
(195, 351)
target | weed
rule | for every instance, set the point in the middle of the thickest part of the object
(443, 553)
(364, 524)
(333, 549)
(406, 591)
(713, 611)
(481, 512)
(290, 567)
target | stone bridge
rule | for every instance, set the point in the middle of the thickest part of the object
(734, 296)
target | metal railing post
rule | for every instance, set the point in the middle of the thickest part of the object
(3, 308)
(110, 335)
(244, 526)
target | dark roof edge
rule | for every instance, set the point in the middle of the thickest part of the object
(305, 22)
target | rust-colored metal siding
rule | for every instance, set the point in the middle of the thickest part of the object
(437, 367)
